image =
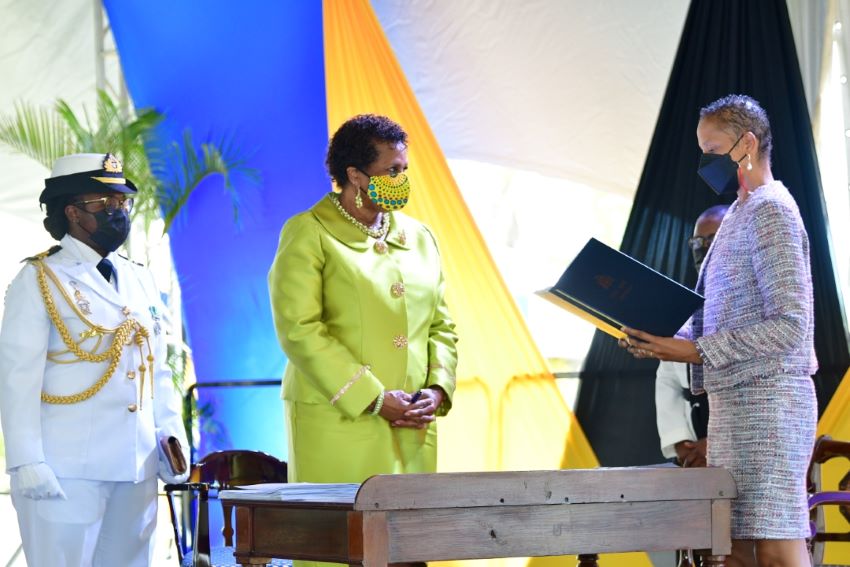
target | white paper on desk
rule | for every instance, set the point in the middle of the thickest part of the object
(294, 492)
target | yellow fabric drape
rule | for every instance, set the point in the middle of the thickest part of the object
(508, 413)
(835, 422)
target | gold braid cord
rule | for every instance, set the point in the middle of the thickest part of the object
(128, 332)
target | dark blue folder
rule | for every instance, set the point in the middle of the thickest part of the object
(612, 290)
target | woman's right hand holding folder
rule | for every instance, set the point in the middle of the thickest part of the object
(644, 345)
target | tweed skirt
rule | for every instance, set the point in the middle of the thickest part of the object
(762, 431)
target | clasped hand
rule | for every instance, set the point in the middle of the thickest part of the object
(644, 345)
(398, 410)
(691, 453)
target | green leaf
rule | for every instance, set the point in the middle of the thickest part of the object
(48, 134)
(83, 137)
(37, 133)
(183, 168)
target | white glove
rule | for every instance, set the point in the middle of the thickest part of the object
(169, 477)
(37, 481)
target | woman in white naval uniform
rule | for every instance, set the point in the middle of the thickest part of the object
(85, 391)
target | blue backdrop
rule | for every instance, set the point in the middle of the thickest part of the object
(252, 69)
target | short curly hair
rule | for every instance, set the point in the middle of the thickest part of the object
(742, 114)
(353, 144)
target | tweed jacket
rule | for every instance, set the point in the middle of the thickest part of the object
(758, 317)
(354, 322)
(113, 435)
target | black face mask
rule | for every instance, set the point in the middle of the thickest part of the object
(112, 230)
(699, 256)
(720, 172)
(699, 248)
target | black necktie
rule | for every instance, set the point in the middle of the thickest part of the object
(105, 268)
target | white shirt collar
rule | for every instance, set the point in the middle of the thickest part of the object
(83, 251)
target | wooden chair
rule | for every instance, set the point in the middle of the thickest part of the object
(221, 470)
(826, 449)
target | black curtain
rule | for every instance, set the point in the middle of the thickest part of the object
(727, 46)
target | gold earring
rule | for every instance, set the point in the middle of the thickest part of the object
(358, 200)
(749, 163)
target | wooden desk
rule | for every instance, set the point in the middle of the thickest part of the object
(446, 516)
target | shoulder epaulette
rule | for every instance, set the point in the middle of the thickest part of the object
(50, 252)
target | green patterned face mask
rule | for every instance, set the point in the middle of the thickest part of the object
(390, 192)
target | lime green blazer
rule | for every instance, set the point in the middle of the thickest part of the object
(354, 321)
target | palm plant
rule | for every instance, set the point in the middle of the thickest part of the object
(165, 175)
(165, 178)
(181, 168)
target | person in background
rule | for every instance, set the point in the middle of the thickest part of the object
(357, 294)
(85, 390)
(682, 416)
(751, 345)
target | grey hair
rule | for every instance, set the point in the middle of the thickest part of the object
(741, 114)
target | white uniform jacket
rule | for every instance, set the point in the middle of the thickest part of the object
(672, 408)
(112, 436)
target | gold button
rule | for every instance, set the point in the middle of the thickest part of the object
(131, 374)
(400, 341)
(132, 407)
(397, 289)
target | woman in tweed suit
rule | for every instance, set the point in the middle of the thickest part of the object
(752, 343)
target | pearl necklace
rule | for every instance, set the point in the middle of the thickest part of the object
(379, 233)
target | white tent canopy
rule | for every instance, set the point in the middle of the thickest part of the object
(568, 89)
(544, 108)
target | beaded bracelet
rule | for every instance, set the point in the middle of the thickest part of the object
(379, 403)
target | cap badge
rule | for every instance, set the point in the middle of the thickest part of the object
(112, 164)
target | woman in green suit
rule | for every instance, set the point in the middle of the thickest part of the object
(357, 294)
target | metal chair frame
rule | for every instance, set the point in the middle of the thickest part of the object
(202, 484)
(824, 450)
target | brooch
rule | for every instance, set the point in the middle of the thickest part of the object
(81, 300)
(157, 328)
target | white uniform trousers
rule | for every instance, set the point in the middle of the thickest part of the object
(101, 524)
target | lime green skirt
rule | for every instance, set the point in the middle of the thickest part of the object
(326, 446)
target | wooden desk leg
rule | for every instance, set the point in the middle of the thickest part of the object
(714, 560)
(588, 560)
(245, 538)
(376, 539)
